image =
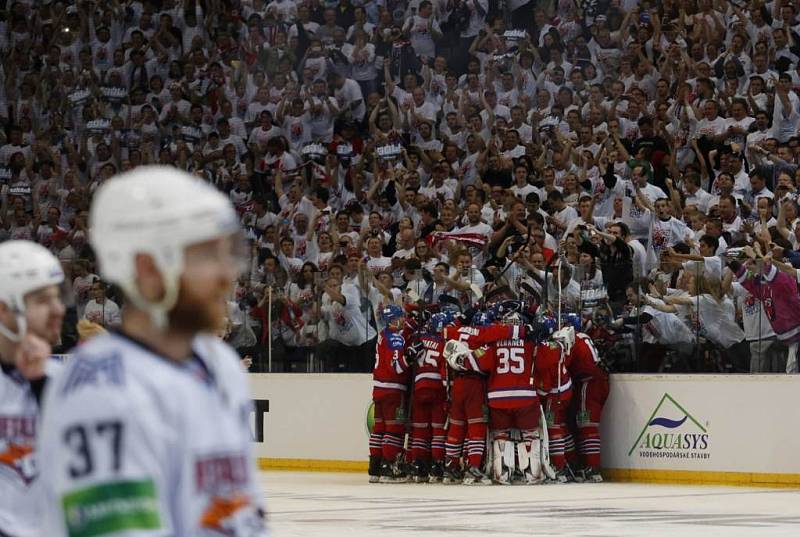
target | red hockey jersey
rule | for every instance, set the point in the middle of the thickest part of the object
(509, 364)
(475, 336)
(584, 359)
(391, 373)
(431, 366)
(551, 373)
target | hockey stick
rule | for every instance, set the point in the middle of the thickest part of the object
(511, 262)
(547, 468)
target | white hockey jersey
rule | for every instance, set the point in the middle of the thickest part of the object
(20, 498)
(135, 444)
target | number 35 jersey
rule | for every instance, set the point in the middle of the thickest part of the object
(135, 444)
(509, 364)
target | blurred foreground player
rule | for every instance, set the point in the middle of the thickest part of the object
(31, 313)
(146, 430)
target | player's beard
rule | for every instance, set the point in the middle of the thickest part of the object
(193, 313)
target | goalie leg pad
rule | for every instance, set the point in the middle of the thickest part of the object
(522, 456)
(497, 460)
(533, 451)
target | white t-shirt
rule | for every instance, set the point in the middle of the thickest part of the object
(473, 276)
(421, 38)
(105, 314)
(711, 127)
(379, 264)
(754, 316)
(663, 235)
(349, 93)
(717, 320)
(665, 328)
(347, 323)
(481, 228)
(297, 130)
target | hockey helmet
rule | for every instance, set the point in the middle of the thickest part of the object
(24, 267)
(391, 313)
(565, 337)
(441, 319)
(159, 211)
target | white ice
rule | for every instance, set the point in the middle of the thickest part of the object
(341, 504)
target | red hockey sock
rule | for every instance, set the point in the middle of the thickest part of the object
(557, 446)
(589, 445)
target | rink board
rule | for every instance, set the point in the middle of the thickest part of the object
(714, 429)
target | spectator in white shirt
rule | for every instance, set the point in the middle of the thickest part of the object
(348, 97)
(422, 29)
(100, 309)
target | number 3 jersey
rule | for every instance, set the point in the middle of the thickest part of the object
(135, 444)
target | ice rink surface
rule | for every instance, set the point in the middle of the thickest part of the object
(341, 504)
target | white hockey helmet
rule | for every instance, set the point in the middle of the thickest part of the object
(159, 211)
(24, 267)
(565, 337)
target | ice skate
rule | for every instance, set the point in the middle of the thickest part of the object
(591, 475)
(452, 473)
(374, 469)
(474, 476)
(437, 472)
(418, 472)
(393, 473)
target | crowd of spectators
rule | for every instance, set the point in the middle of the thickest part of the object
(633, 161)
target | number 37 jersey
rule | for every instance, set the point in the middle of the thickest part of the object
(135, 444)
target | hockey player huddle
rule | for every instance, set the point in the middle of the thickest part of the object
(535, 389)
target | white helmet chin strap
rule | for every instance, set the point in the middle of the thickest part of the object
(158, 311)
(22, 327)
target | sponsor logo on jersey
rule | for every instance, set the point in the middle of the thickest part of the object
(221, 472)
(17, 458)
(112, 508)
(17, 428)
(17, 434)
(218, 517)
(230, 512)
(93, 372)
(672, 432)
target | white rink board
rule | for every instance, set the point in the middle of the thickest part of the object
(314, 416)
(707, 424)
(742, 423)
